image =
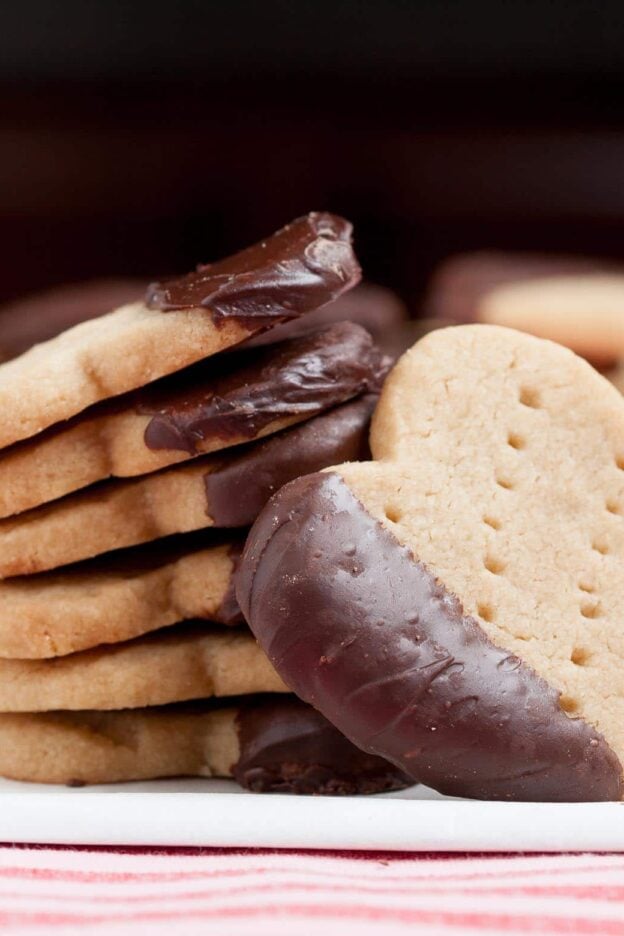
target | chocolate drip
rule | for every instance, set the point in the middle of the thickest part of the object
(239, 395)
(360, 629)
(302, 266)
(288, 747)
(238, 490)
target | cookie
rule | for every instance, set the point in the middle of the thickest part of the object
(303, 266)
(40, 316)
(576, 301)
(187, 661)
(268, 744)
(218, 404)
(457, 602)
(212, 491)
(117, 598)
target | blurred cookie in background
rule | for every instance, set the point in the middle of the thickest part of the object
(576, 301)
(616, 376)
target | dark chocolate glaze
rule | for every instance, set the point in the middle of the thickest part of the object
(242, 394)
(238, 490)
(229, 611)
(302, 266)
(359, 628)
(288, 747)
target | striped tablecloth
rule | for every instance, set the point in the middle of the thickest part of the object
(224, 892)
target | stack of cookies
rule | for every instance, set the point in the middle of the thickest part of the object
(136, 449)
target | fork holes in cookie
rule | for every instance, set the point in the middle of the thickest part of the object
(393, 514)
(590, 609)
(516, 441)
(504, 482)
(619, 462)
(580, 656)
(601, 547)
(568, 704)
(494, 565)
(530, 397)
(492, 522)
(613, 506)
(485, 611)
(586, 587)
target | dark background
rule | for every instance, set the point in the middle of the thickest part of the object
(141, 137)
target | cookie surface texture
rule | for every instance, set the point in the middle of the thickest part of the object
(471, 579)
(117, 599)
(187, 661)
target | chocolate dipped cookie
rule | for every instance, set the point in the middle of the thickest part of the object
(213, 491)
(222, 402)
(303, 266)
(267, 744)
(455, 605)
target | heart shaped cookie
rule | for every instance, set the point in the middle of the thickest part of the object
(457, 605)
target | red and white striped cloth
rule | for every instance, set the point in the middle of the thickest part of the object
(218, 891)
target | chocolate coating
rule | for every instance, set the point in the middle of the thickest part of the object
(359, 628)
(302, 266)
(239, 489)
(288, 747)
(239, 395)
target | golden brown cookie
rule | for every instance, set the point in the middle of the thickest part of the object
(187, 661)
(303, 266)
(221, 491)
(458, 602)
(117, 598)
(39, 316)
(268, 744)
(220, 403)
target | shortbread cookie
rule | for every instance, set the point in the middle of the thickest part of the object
(577, 301)
(118, 597)
(268, 744)
(212, 491)
(40, 316)
(218, 404)
(458, 603)
(303, 266)
(187, 661)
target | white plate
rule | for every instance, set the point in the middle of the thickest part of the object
(218, 813)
